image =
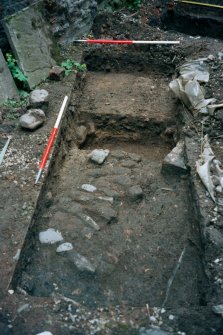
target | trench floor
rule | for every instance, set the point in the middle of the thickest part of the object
(128, 94)
(142, 248)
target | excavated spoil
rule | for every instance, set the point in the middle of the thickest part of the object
(135, 238)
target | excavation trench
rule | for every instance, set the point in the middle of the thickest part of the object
(194, 20)
(137, 231)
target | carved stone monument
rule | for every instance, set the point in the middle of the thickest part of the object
(29, 37)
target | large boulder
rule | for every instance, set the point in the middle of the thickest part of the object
(39, 98)
(33, 119)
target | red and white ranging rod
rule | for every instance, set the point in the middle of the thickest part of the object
(124, 42)
(51, 140)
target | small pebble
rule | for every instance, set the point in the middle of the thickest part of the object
(64, 247)
(11, 292)
(88, 188)
(50, 236)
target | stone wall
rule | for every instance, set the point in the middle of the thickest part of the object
(69, 19)
(8, 7)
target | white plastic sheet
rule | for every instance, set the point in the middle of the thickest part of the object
(208, 169)
(195, 70)
(187, 86)
(204, 167)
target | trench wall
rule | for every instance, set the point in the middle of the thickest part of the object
(192, 19)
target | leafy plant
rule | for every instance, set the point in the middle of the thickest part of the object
(133, 4)
(13, 108)
(71, 65)
(14, 68)
(12, 115)
(13, 104)
(23, 94)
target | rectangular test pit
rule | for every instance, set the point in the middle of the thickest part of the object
(131, 234)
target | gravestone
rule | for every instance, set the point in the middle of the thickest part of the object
(29, 37)
(8, 88)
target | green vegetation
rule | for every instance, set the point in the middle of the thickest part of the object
(133, 4)
(23, 94)
(70, 65)
(14, 68)
(12, 106)
(12, 115)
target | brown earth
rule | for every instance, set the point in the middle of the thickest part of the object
(142, 239)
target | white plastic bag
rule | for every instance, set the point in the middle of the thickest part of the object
(195, 69)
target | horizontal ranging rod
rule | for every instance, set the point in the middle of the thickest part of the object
(125, 42)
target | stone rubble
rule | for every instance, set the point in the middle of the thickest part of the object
(83, 264)
(90, 222)
(174, 162)
(33, 119)
(88, 188)
(99, 155)
(135, 193)
(50, 236)
(39, 98)
(81, 133)
(23, 308)
(57, 73)
(64, 247)
(218, 309)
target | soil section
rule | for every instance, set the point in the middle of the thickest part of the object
(128, 95)
(134, 252)
(192, 19)
(57, 314)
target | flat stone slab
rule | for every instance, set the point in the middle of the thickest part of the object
(83, 264)
(29, 37)
(174, 162)
(8, 89)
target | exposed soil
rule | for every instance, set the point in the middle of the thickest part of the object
(192, 19)
(141, 237)
(148, 263)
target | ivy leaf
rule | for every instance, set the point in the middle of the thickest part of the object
(68, 64)
(15, 70)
